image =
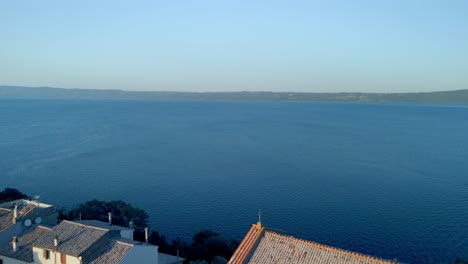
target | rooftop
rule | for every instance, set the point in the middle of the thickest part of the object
(112, 252)
(6, 219)
(100, 224)
(25, 205)
(27, 209)
(169, 259)
(24, 244)
(73, 238)
(261, 245)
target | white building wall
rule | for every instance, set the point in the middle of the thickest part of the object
(128, 234)
(143, 254)
(38, 255)
(70, 259)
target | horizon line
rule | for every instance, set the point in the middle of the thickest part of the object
(226, 92)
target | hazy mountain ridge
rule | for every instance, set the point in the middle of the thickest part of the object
(456, 96)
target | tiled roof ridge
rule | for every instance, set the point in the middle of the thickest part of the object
(27, 209)
(83, 225)
(6, 209)
(92, 244)
(44, 227)
(326, 247)
(245, 247)
(124, 242)
(101, 224)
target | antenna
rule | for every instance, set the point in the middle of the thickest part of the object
(36, 199)
(259, 223)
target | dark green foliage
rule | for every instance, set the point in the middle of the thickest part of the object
(160, 240)
(181, 246)
(207, 247)
(11, 194)
(234, 244)
(208, 244)
(139, 236)
(460, 261)
(219, 260)
(122, 213)
(62, 214)
(155, 239)
(202, 236)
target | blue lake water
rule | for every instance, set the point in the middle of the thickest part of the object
(389, 180)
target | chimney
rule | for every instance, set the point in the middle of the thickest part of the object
(146, 235)
(14, 243)
(15, 214)
(55, 241)
(110, 218)
(130, 224)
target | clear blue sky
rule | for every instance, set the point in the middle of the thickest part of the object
(222, 45)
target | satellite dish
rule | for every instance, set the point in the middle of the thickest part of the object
(27, 222)
(38, 220)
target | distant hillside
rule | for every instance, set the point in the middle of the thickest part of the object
(458, 96)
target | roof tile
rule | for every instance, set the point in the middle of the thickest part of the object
(265, 246)
(74, 238)
(112, 252)
(24, 245)
(6, 219)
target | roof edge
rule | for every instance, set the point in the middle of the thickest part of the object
(250, 241)
(90, 226)
(335, 249)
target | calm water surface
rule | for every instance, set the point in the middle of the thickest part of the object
(389, 180)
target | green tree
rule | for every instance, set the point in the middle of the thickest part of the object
(11, 194)
(122, 213)
(207, 244)
(219, 260)
(159, 240)
(181, 246)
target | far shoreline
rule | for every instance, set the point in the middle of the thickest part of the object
(443, 97)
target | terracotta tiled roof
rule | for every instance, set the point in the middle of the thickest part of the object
(25, 241)
(272, 247)
(247, 244)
